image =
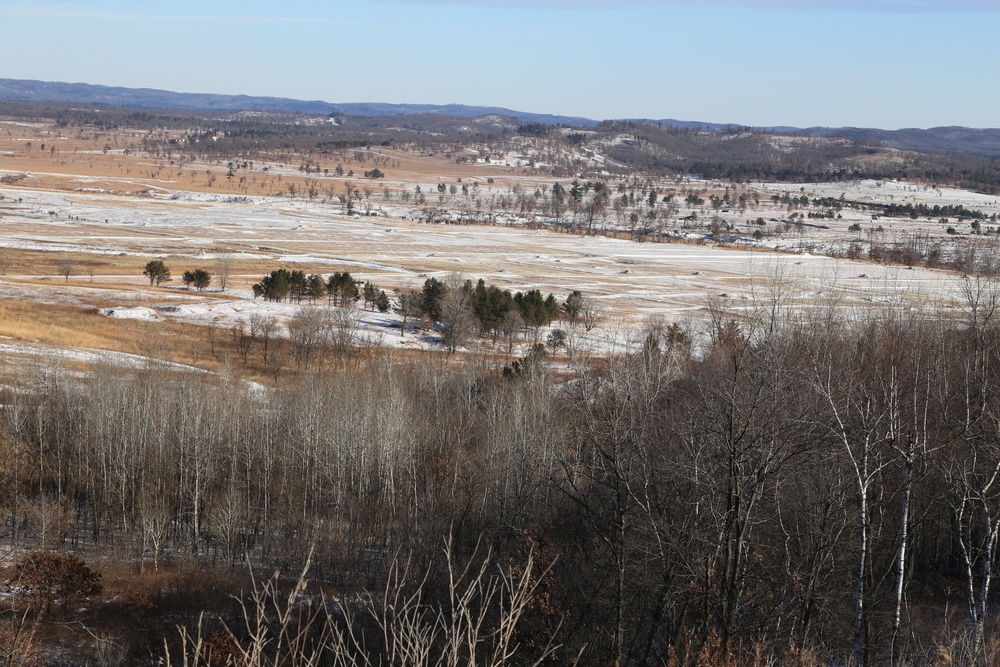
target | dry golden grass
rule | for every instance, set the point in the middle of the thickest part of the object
(80, 161)
(60, 326)
(39, 263)
(73, 327)
(45, 268)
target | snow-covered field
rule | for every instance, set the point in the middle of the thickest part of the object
(630, 281)
(889, 191)
(16, 354)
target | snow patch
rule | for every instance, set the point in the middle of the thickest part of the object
(135, 313)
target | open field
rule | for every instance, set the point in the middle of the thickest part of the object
(80, 216)
(119, 234)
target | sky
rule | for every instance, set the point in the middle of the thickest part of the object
(865, 63)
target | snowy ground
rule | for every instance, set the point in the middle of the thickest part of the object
(883, 192)
(14, 356)
(630, 281)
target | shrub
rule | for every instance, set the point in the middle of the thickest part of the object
(50, 576)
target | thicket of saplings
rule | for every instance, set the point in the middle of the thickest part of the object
(797, 491)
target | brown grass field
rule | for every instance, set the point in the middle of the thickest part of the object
(83, 159)
(83, 204)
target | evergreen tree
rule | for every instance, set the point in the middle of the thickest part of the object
(298, 286)
(382, 302)
(342, 288)
(370, 294)
(156, 271)
(433, 296)
(274, 287)
(316, 287)
(573, 306)
(198, 278)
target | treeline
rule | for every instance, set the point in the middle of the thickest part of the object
(930, 212)
(460, 307)
(463, 310)
(339, 288)
(804, 490)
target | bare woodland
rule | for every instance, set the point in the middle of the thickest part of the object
(780, 480)
(806, 490)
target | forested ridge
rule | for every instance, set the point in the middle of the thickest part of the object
(799, 489)
(739, 154)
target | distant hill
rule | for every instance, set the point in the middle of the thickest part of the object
(938, 140)
(23, 90)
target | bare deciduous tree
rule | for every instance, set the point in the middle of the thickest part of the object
(265, 327)
(66, 267)
(457, 319)
(243, 336)
(478, 627)
(410, 307)
(224, 259)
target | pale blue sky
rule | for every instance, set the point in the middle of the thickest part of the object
(873, 63)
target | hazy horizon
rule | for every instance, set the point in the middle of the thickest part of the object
(886, 64)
